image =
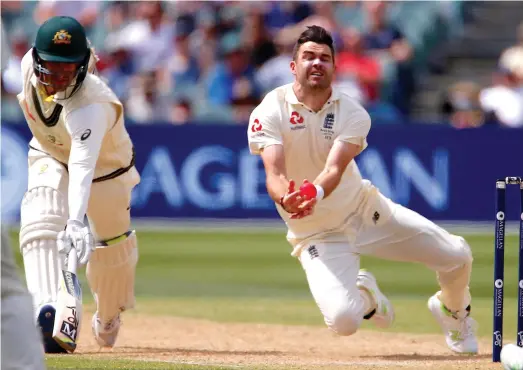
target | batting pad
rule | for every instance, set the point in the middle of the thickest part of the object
(43, 215)
(42, 266)
(110, 273)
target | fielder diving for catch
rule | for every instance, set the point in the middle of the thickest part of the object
(81, 162)
(309, 130)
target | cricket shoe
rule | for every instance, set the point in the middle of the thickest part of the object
(106, 335)
(459, 328)
(45, 322)
(383, 315)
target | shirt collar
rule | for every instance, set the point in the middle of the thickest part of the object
(291, 98)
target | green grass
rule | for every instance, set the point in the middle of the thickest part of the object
(251, 277)
(196, 264)
(68, 362)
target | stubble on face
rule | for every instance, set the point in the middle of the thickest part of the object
(314, 66)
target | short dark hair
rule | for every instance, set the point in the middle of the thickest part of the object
(316, 34)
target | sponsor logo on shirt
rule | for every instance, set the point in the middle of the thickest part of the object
(256, 126)
(297, 121)
(329, 121)
(85, 135)
(328, 125)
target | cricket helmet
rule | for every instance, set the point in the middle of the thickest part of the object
(61, 39)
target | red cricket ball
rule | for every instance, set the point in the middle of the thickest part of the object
(308, 189)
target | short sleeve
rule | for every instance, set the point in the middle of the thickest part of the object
(356, 128)
(263, 130)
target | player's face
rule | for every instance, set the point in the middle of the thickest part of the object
(314, 66)
(58, 76)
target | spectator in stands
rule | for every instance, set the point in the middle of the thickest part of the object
(146, 103)
(181, 71)
(203, 41)
(181, 111)
(11, 76)
(354, 65)
(232, 82)
(512, 58)
(275, 72)
(461, 106)
(257, 36)
(279, 15)
(149, 36)
(389, 42)
(505, 98)
(86, 12)
(116, 68)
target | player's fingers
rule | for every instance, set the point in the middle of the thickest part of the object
(308, 204)
(291, 186)
(293, 198)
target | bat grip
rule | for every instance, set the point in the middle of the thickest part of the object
(72, 260)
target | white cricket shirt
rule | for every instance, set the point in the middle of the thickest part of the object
(89, 135)
(307, 138)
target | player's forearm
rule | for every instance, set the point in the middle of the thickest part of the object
(82, 163)
(329, 179)
(87, 127)
(277, 185)
(80, 181)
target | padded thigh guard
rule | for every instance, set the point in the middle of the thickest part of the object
(43, 215)
(111, 276)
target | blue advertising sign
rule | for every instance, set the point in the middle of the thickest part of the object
(195, 171)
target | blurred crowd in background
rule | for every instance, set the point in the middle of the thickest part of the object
(208, 62)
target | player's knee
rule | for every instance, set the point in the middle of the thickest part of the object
(463, 253)
(111, 274)
(344, 321)
(43, 214)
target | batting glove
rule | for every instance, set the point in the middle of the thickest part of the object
(76, 235)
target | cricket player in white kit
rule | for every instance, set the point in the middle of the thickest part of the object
(81, 162)
(310, 131)
(21, 344)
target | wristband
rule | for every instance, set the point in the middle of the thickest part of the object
(320, 193)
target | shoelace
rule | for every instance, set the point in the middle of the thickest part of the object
(111, 324)
(468, 327)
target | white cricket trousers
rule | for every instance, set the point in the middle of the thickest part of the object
(331, 267)
(22, 347)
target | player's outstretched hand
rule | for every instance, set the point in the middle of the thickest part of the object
(292, 199)
(76, 235)
(306, 208)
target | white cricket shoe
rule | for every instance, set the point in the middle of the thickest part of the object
(106, 335)
(459, 329)
(384, 314)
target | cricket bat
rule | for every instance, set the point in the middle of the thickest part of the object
(68, 306)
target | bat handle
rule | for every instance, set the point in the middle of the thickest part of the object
(72, 260)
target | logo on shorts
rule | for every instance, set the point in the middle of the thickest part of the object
(375, 217)
(85, 135)
(313, 252)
